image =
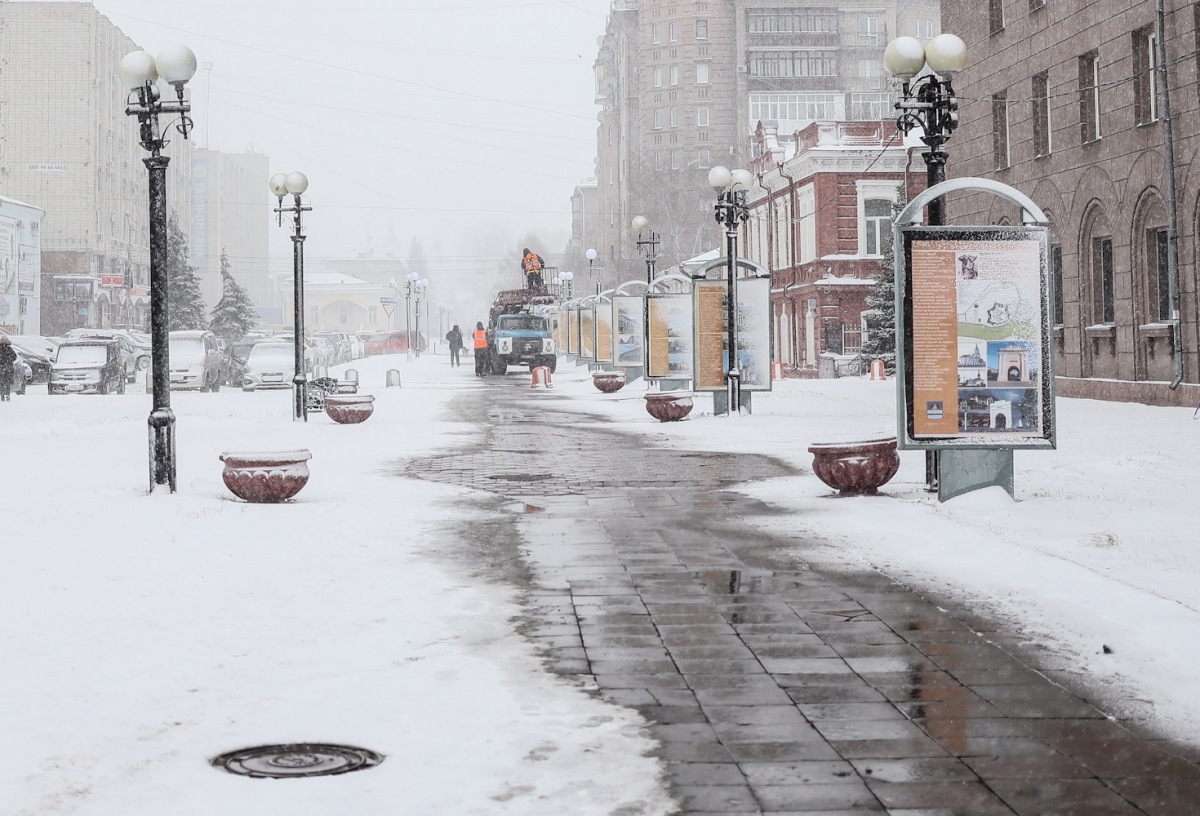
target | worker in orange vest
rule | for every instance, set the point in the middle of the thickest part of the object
(480, 350)
(532, 265)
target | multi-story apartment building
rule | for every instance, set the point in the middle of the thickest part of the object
(67, 147)
(1063, 101)
(685, 83)
(231, 211)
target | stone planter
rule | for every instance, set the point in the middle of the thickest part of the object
(856, 468)
(608, 381)
(266, 477)
(669, 406)
(349, 409)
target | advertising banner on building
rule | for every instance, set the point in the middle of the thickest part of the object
(572, 331)
(977, 364)
(754, 333)
(8, 255)
(711, 354)
(628, 316)
(604, 332)
(28, 269)
(669, 355)
(587, 333)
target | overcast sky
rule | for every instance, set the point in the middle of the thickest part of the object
(466, 123)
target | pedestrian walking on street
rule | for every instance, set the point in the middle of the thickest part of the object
(8, 359)
(480, 350)
(455, 339)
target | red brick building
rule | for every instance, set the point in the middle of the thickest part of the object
(819, 220)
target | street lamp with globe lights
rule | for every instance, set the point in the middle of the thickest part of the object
(731, 212)
(410, 280)
(591, 256)
(419, 287)
(569, 276)
(648, 246)
(139, 73)
(928, 101)
(295, 185)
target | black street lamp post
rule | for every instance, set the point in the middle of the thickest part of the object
(419, 288)
(928, 103)
(139, 73)
(648, 246)
(282, 185)
(731, 212)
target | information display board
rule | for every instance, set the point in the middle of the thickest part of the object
(975, 328)
(587, 334)
(629, 344)
(604, 332)
(754, 333)
(711, 354)
(670, 353)
(573, 331)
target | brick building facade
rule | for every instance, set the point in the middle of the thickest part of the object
(819, 221)
(1060, 100)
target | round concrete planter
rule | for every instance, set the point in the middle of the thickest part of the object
(266, 477)
(349, 409)
(669, 406)
(856, 468)
(608, 381)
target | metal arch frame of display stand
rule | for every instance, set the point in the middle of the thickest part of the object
(964, 469)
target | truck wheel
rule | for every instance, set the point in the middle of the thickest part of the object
(499, 367)
(552, 363)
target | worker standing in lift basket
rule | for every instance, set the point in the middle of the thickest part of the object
(531, 265)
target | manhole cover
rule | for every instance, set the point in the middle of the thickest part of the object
(521, 477)
(300, 760)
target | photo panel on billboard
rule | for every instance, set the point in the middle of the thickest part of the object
(710, 352)
(754, 333)
(573, 331)
(604, 332)
(670, 355)
(628, 339)
(587, 334)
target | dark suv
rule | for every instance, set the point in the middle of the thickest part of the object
(88, 367)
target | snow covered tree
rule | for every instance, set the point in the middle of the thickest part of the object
(185, 304)
(880, 343)
(234, 314)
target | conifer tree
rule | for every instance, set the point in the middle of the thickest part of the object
(880, 343)
(185, 304)
(234, 314)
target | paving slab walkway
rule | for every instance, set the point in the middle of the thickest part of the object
(776, 688)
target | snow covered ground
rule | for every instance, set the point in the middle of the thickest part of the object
(1099, 548)
(140, 636)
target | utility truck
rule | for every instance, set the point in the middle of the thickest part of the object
(518, 333)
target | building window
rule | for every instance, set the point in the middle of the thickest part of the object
(703, 159)
(673, 32)
(1145, 78)
(372, 315)
(658, 161)
(1089, 97)
(996, 15)
(1160, 278)
(314, 315)
(676, 159)
(793, 63)
(1043, 139)
(793, 21)
(702, 117)
(877, 225)
(868, 27)
(1102, 273)
(702, 29)
(674, 117)
(658, 77)
(656, 33)
(1000, 130)
(924, 29)
(869, 107)
(808, 223)
(658, 119)
(702, 73)
(674, 74)
(872, 72)
(807, 107)
(1056, 277)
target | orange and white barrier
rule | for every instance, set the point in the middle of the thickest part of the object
(777, 370)
(542, 377)
(877, 370)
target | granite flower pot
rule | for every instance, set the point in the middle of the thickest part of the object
(264, 478)
(856, 468)
(669, 406)
(349, 409)
(608, 381)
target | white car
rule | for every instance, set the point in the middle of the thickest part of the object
(270, 365)
(195, 361)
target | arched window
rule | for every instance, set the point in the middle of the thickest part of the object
(1098, 246)
(1150, 257)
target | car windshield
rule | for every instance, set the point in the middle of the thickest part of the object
(94, 355)
(185, 347)
(271, 354)
(523, 323)
(240, 351)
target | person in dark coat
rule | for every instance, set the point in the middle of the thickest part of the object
(481, 349)
(8, 360)
(455, 339)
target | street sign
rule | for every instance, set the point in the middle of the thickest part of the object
(388, 308)
(112, 280)
(388, 301)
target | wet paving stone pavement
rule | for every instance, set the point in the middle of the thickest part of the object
(772, 687)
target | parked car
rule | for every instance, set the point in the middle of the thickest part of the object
(195, 362)
(233, 361)
(88, 366)
(387, 343)
(269, 365)
(325, 352)
(35, 356)
(340, 344)
(134, 356)
(357, 347)
(22, 373)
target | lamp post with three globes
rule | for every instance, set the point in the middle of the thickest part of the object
(731, 212)
(139, 73)
(282, 185)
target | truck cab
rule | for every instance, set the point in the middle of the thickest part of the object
(521, 338)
